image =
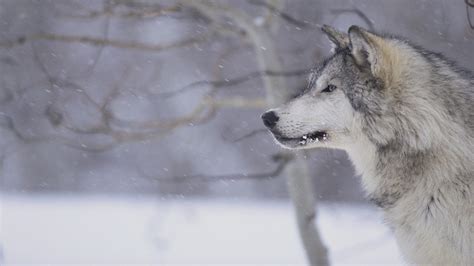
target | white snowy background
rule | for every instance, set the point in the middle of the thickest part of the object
(97, 230)
(72, 194)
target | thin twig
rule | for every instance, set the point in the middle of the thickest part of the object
(233, 81)
(285, 16)
(281, 160)
(246, 136)
(95, 41)
(91, 68)
(141, 12)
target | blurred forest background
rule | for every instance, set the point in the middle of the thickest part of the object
(122, 96)
(163, 98)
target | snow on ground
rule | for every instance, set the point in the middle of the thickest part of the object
(119, 230)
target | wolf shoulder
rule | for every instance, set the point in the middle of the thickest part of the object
(441, 231)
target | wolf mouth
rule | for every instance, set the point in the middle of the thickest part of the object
(317, 136)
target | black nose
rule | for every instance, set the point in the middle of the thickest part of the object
(270, 119)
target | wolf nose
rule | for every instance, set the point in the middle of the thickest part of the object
(270, 119)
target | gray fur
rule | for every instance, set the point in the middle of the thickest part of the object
(406, 118)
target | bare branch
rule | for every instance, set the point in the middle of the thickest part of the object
(42, 67)
(281, 160)
(234, 81)
(121, 131)
(246, 136)
(202, 112)
(137, 10)
(105, 35)
(105, 42)
(238, 102)
(288, 18)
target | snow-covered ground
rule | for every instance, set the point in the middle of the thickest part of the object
(120, 230)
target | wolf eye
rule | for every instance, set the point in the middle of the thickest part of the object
(329, 88)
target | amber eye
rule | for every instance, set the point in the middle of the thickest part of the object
(329, 88)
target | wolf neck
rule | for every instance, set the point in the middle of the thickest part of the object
(363, 155)
(388, 174)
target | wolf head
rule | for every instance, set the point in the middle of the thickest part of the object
(372, 89)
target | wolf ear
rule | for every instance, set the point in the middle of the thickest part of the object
(364, 46)
(339, 40)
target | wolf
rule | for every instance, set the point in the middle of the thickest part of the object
(405, 117)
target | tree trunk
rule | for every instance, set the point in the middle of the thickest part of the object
(299, 181)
